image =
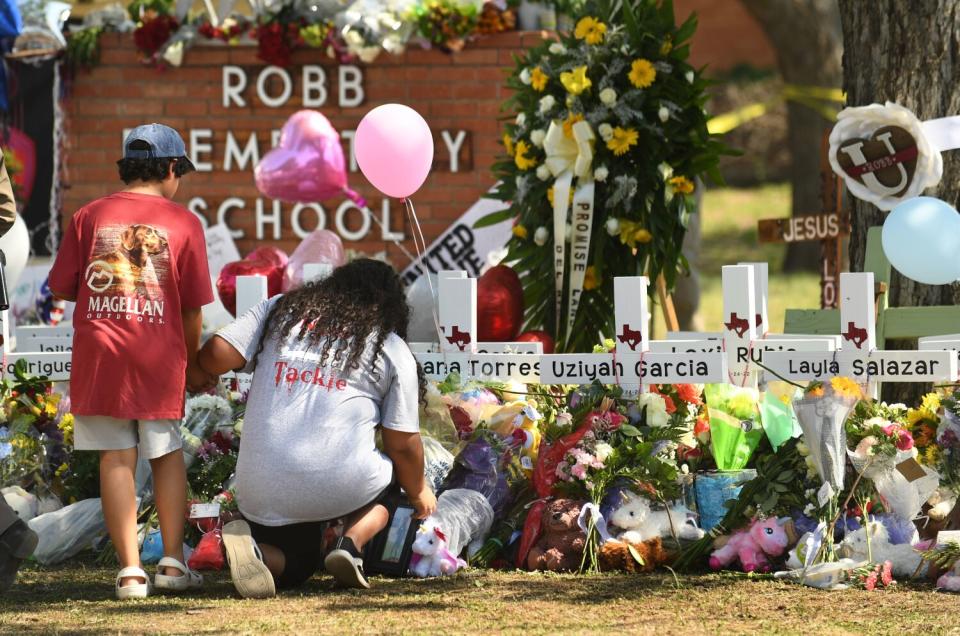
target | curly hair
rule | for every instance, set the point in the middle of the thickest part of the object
(359, 301)
(150, 169)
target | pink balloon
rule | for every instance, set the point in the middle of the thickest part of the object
(308, 165)
(394, 149)
(320, 246)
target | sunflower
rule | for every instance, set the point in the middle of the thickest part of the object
(931, 402)
(681, 185)
(623, 139)
(642, 74)
(590, 29)
(538, 80)
(845, 387)
(520, 156)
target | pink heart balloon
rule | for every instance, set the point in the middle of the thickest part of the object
(308, 165)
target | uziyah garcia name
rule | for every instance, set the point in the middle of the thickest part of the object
(313, 377)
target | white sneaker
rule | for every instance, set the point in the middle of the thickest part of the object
(251, 577)
(137, 590)
(188, 580)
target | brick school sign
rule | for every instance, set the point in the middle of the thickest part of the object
(229, 107)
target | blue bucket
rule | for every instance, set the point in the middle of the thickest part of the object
(716, 487)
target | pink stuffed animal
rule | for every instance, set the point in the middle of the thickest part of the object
(752, 546)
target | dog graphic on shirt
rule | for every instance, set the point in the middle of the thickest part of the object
(129, 260)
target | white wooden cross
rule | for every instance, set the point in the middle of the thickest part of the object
(745, 338)
(858, 357)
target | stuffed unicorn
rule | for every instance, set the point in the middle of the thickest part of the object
(752, 546)
(431, 556)
(640, 523)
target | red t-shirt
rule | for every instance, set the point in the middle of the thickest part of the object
(133, 262)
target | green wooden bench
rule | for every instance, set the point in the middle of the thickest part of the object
(893, 323)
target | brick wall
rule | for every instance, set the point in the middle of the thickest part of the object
(454, 92)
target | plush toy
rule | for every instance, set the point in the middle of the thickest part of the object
(904, 557)
(752, 546)
(561, 545)
(526, 430)
(25, 504)
(431, 557)
(640, 523)
(950, 580)
(622, 556)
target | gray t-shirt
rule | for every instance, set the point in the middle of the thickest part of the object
(308, 448)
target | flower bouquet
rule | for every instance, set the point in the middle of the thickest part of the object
(822, 413)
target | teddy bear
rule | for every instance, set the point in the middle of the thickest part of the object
(561, 545)
(640, 523)
(622, 556)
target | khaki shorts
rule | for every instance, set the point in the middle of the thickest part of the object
(155, 438)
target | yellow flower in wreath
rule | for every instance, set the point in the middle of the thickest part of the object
(632, 233)
(568, 123)
(590, 279)
(576, 81)
(681, 185)
(622, 140)
(520, 156)
(667, 46)
(642, 74)
(508, 144)
(538, 79)
(520, 232)
(590, 29)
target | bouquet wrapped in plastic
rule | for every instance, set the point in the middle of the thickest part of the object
(735, 428)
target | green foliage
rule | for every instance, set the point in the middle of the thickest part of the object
(83, 47)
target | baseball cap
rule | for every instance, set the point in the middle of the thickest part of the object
(162, 141)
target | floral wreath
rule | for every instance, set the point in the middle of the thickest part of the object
(612, 117)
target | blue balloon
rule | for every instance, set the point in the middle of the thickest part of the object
(921, 238)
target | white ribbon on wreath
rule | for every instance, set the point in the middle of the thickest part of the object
(569, 157)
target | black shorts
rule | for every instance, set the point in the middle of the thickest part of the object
(301, 544)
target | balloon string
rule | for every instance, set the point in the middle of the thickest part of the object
(421, 247)
(376, 220)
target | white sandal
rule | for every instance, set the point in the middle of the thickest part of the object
(137, 590)
(188, 580)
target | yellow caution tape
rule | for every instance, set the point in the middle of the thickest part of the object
(812, 97)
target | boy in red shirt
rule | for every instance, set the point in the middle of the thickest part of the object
(136, 265)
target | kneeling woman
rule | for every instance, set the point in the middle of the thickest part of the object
(329, 367)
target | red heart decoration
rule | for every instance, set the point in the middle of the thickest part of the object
(499, 305)
(270, 254)
(538, 336)
(227, 280)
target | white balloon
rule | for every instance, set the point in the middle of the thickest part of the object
(16, 247)
(423, 303)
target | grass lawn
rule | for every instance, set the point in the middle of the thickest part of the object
(78, 598)
(729, 236)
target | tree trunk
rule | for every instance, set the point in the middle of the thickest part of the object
(908, 53)
(806, 36)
